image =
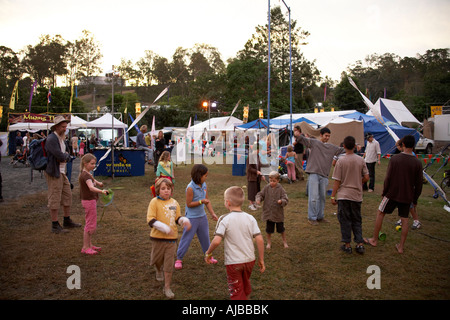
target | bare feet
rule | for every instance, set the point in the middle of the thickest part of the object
(370, 241)
(268, 246)
(399, 248)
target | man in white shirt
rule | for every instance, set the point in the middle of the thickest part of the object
(372, 156)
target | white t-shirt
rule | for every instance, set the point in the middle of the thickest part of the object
(372, 151)
(238, 229)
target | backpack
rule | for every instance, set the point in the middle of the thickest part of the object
(38, 156)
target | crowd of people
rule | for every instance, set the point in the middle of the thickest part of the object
(238, 229)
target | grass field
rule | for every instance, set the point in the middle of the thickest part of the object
(34, 262)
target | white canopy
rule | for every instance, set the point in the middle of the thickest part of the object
(36, 126)
(105, 122)
(320, 118)
(76, 121)
(214, 125)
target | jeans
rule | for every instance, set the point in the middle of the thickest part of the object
(200, 227)
(317, 186)
(371, 168)
(148, 151)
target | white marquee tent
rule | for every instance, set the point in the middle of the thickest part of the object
(395, 111)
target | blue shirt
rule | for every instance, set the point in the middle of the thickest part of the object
(199, 194)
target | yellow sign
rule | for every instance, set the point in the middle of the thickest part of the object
(138, 108)
(436, 110)
(245, 114)
(261, 113)
(1, 112)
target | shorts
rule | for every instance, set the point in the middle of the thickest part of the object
(388, 206)
(270, 227)
(59, 192)
(238, 278)
(163, 254)
(90, 209)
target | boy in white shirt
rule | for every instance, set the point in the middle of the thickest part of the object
(238, 229)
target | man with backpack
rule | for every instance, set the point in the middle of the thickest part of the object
(59, 191)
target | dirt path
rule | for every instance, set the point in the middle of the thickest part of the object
(17, 181)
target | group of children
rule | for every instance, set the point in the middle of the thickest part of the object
(237, 228)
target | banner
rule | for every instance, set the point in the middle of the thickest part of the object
(71, 96)
(12, 101)
(34, 118)
(31, 95)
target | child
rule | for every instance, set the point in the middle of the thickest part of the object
(290, 163)
(164, 170)
(196, 200)
(82, 146)
(89, 196)
(350, 173)
(162, 215)
(238, 229)
(254, 176)
(275, 199)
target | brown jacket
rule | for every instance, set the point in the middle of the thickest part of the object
(272, 210)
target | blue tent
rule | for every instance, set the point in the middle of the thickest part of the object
(274, 123)
(371, 125)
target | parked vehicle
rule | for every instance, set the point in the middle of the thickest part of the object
(424, 145)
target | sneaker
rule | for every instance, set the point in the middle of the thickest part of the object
(370, 190)
(399, 222)
(346, 249)
(178, 264)
(252, 207)
(360, 249)
(416, 225)
(169, 294)
(56, 228)
(68, 223)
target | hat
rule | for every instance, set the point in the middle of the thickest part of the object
(57, 121)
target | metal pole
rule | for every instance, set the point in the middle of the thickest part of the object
(290, 71)
(112, 126)
(268, 77)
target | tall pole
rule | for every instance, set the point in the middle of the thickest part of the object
(268, 77)
(290, 71)
(112, 125)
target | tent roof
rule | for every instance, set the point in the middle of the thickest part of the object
(217, 124)
(320, 118)
(77, 121)
(395, 111)
(105, 122)
(274, 123)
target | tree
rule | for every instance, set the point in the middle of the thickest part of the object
(83, 57)
(45, 61)
(145, 67)
(304, 73)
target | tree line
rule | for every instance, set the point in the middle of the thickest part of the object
(199, 74)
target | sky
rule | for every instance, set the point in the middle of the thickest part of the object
(341, 32)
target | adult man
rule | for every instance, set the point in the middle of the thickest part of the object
(19, 141)
(318, 167)
(59, 192)
(298, 149)
(402, 186)
(372, 156)
(142, 145)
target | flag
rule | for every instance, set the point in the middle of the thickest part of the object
(71, 96)
(31, 95)
(153, 131)
(49, 95)
(325, 93)
(12, 102)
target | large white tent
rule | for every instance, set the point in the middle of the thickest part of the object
(214, 125)
(105, 122)
(395, 111)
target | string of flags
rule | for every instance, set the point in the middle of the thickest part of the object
(424, 157)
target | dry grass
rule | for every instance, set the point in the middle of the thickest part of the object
(33, 261)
